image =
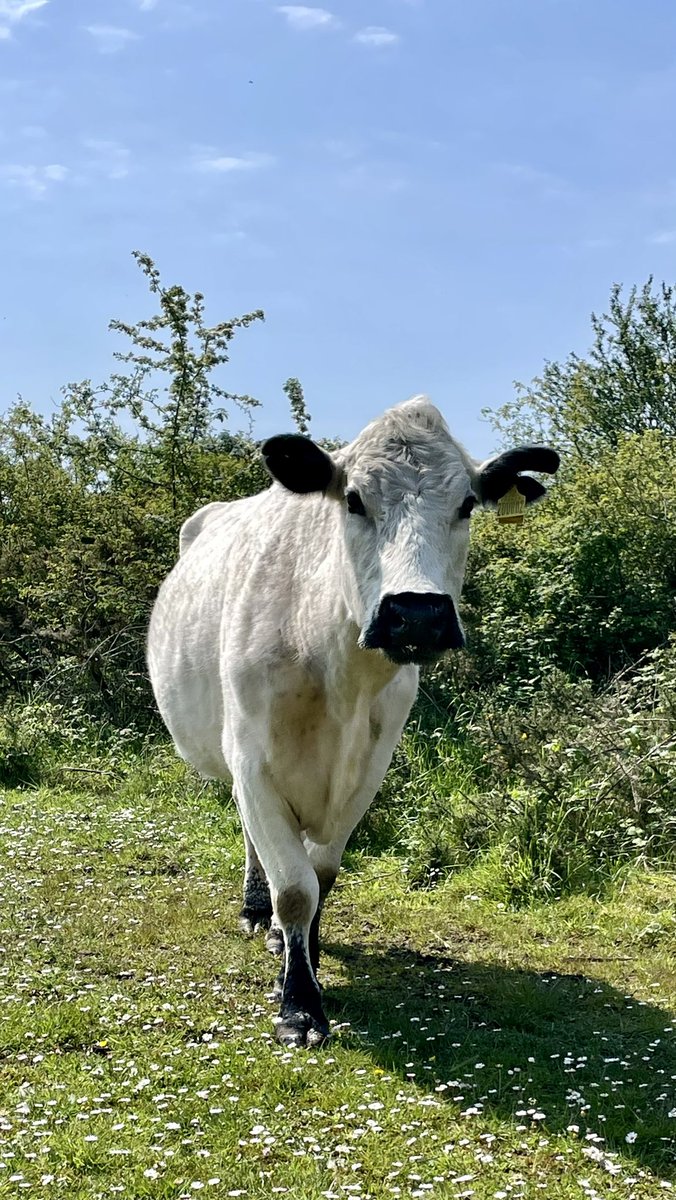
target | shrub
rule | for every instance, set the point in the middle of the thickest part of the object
(554, 794)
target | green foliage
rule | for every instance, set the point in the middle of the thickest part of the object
(44, 740)
(588, 583)
(168, 394)
(553, 794)
(626, 385)
(92, 502)
(297, 404)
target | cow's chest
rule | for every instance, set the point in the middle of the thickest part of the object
(321, 754)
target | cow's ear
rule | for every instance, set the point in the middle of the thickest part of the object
(297, 463)
(497, 475)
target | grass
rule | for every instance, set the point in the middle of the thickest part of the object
(476, 1051)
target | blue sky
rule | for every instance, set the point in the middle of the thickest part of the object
(423, 195)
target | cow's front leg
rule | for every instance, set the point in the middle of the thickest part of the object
(325, 880)
(326, 859)
(301, 1016)
(294, 890)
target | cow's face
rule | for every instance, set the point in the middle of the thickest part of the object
(406, 491)
(406, 525)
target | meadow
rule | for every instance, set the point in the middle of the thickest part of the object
(476, 1049)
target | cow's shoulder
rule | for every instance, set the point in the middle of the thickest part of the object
(192, 528)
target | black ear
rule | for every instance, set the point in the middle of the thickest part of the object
(297, 463)
(499, 474)
(531, 488)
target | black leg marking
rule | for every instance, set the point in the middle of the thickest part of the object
(326, 882)
(256, 912)
(278, 988)
(301, 1017)
(314, 939)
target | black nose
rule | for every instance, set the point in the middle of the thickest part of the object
(415, 627)
(416, 614)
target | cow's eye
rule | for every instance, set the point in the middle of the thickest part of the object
(466, 507)
(354, 504)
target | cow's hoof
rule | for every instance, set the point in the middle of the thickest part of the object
(253, 920)
(300, 1029)
(274, 941)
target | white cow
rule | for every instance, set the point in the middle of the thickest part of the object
(284, 649)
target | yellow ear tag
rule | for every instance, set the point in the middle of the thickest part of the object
(512, 507)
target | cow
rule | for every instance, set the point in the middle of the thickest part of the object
(284, 650)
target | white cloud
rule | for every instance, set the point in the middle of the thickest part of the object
(342, 148)
(226, 163)
(665, 237)
(597, 243)
(303, 18)
(110, 38)
(32, 178)
(55, 172)
(376, 35)
(108, 158)
(14, 10)
(534, 179)
(372, 177)
(101, 159)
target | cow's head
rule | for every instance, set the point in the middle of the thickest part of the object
(407, 490)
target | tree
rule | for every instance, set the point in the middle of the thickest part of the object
(91, 501)
(297, 404)
(626, 385)
(589, 583)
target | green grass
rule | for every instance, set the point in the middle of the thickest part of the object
(477, 1051)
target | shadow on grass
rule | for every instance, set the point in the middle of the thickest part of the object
(517, 1044)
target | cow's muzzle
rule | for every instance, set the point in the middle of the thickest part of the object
(415, 627)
